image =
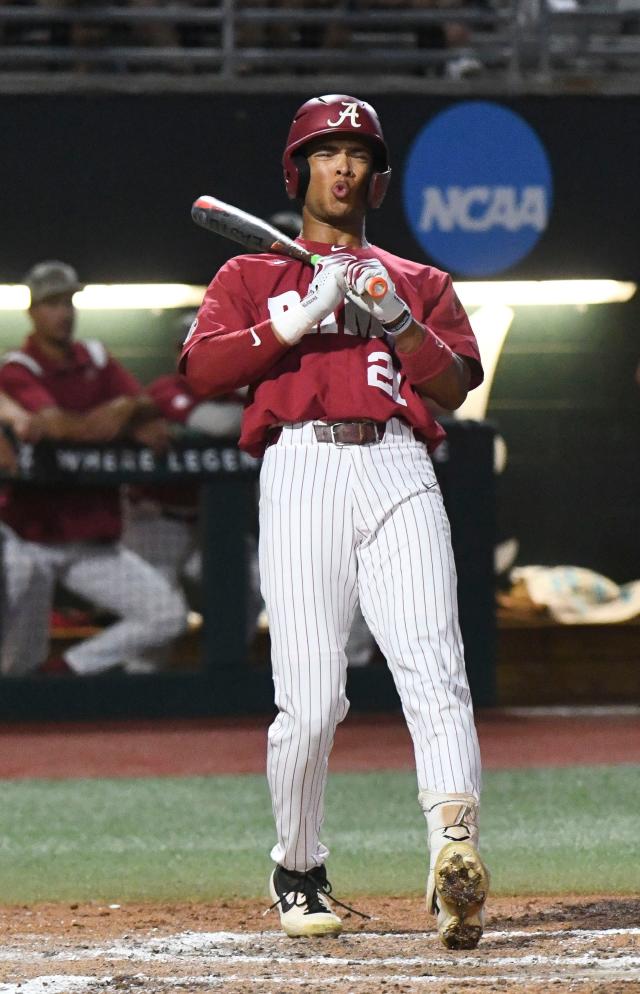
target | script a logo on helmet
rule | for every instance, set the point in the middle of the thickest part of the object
(350, 111)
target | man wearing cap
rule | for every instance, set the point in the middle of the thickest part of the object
(161, 519)
(76, 392)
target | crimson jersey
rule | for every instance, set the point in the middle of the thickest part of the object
(173, 397)
(344, 369)
(175, 400)
(88, 378)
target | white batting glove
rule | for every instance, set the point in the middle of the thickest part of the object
(326, 292)
(391, 311)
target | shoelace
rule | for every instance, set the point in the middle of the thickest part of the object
(308, 889)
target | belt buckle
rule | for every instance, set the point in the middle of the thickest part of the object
(337, 424)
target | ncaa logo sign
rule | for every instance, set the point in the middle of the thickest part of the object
(477, 188)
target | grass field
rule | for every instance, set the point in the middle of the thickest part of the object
(544, 831)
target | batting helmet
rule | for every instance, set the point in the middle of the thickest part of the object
(332, 114)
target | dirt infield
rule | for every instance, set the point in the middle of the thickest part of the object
(583, 946)
(363, 742)
(586, 945)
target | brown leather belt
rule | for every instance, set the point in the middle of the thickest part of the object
(351, 432)
(341, 432)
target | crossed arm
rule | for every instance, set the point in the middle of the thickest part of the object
(103, 423)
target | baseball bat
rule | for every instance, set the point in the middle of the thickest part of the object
(253, 233)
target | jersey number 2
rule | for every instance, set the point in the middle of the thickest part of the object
(382, 374)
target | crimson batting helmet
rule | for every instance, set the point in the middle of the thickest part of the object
(335, 113)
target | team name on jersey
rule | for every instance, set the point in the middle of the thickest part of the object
(356, 321)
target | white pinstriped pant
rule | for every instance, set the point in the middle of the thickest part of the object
(151, 612)
(338, 523)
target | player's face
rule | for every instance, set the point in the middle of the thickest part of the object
(53, 318)
(339, 171)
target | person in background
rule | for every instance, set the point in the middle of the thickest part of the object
(76, 392)
(161, 520)
(25, 575)
(16, 422)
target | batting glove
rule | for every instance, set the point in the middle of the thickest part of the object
(326, 292)
(390, 310)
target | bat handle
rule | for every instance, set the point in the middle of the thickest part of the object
(376, 286)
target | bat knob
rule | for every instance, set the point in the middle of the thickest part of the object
(377, 287)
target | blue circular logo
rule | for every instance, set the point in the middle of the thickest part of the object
(477, 188)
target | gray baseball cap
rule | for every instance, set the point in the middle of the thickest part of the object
(46, 279)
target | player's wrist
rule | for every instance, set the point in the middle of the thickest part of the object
(290, 326)
(411, 339)
(429, 359)
(397, 319)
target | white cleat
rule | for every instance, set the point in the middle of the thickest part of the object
(302, 902)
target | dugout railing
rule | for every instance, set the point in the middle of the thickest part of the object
(228, 678)
(516, 44)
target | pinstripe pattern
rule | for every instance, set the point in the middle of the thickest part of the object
(337, 524)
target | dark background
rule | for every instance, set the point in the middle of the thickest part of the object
(106, 182)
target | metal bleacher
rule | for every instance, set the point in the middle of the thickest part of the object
(431, 45)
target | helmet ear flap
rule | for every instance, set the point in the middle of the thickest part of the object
(302, 174)
(378, 185)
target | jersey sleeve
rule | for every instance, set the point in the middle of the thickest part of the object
(172, 397)
(447, 318)
(25, 388)
(226, 348)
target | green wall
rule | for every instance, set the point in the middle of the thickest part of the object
(143, 340)
(565, 399)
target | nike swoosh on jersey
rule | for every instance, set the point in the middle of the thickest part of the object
(256, 339)
(278, 262)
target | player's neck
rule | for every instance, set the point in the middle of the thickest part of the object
(349, 233)
(55, 350)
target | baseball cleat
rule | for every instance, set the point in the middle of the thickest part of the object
(461, 882)
(302, 902)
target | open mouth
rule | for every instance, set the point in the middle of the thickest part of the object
(340, 190)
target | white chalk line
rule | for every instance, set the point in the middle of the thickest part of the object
(251, 937)
(591, 960)
(160, 948)
(60, 984)
(166, 948)
(214, 946)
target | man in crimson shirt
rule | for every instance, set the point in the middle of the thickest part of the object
(338, 361)
(161, 520)
(76, 392)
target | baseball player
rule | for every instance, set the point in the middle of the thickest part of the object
(161, 518)
(350, 507)
(75, 391)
